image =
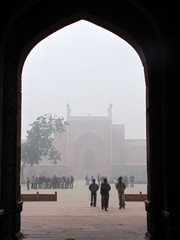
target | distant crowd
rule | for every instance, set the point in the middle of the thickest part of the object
(54, 182)
(66, 182)
(129, 181)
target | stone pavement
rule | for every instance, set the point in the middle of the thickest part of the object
(72, 217)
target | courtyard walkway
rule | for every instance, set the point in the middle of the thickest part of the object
(72, 217)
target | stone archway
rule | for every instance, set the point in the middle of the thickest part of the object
(89, 162)
(18, 46)
(88, 154)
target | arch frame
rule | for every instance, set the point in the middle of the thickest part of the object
(15, 47)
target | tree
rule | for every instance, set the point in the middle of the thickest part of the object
(39, 142)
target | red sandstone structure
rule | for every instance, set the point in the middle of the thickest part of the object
(93, 145)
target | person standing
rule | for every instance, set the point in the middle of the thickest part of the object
(93, 187)
(87, 179)
(99, 179)
(28, 183)
(131, 181)
(105, 188)
(120, 186)
(71, 181)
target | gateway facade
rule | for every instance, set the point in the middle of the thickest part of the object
(93, 145)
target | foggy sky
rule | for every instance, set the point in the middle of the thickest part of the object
(89, 68)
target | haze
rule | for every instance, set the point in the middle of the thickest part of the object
(87, 67)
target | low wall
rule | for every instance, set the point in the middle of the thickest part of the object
(38, 197)
(135, 197)
(53, 197)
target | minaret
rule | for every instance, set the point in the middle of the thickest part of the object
(110, 111)
(68, 111)
(110, 129)
(67, 133)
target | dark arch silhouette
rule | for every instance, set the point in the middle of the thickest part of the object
(153, 34)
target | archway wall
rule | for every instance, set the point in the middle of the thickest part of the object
(148, 35)
(97, 147)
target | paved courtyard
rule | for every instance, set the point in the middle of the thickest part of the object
(72, 217)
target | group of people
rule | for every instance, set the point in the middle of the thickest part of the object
(89, 179)
(105, 188)
(102, 184)
(51, 182)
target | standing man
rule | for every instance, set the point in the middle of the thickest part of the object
(99, 179)
(28, 183)
(131, 181)
(120, 186)
(93, 187)
(87, 179)
(105, 188)
(71, 181)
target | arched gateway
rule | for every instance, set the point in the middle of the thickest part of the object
(93, 145)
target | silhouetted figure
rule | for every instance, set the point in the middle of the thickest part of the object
(120, 186)
(28, 183)
(105, 188)
(71, 181)
(99, 179)
(131, 179)
(93, 187)
(87, 179)
(125, 180)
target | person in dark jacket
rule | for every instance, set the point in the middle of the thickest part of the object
(93, 187)
(28, 183)
(105, 188)
(120, 186)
